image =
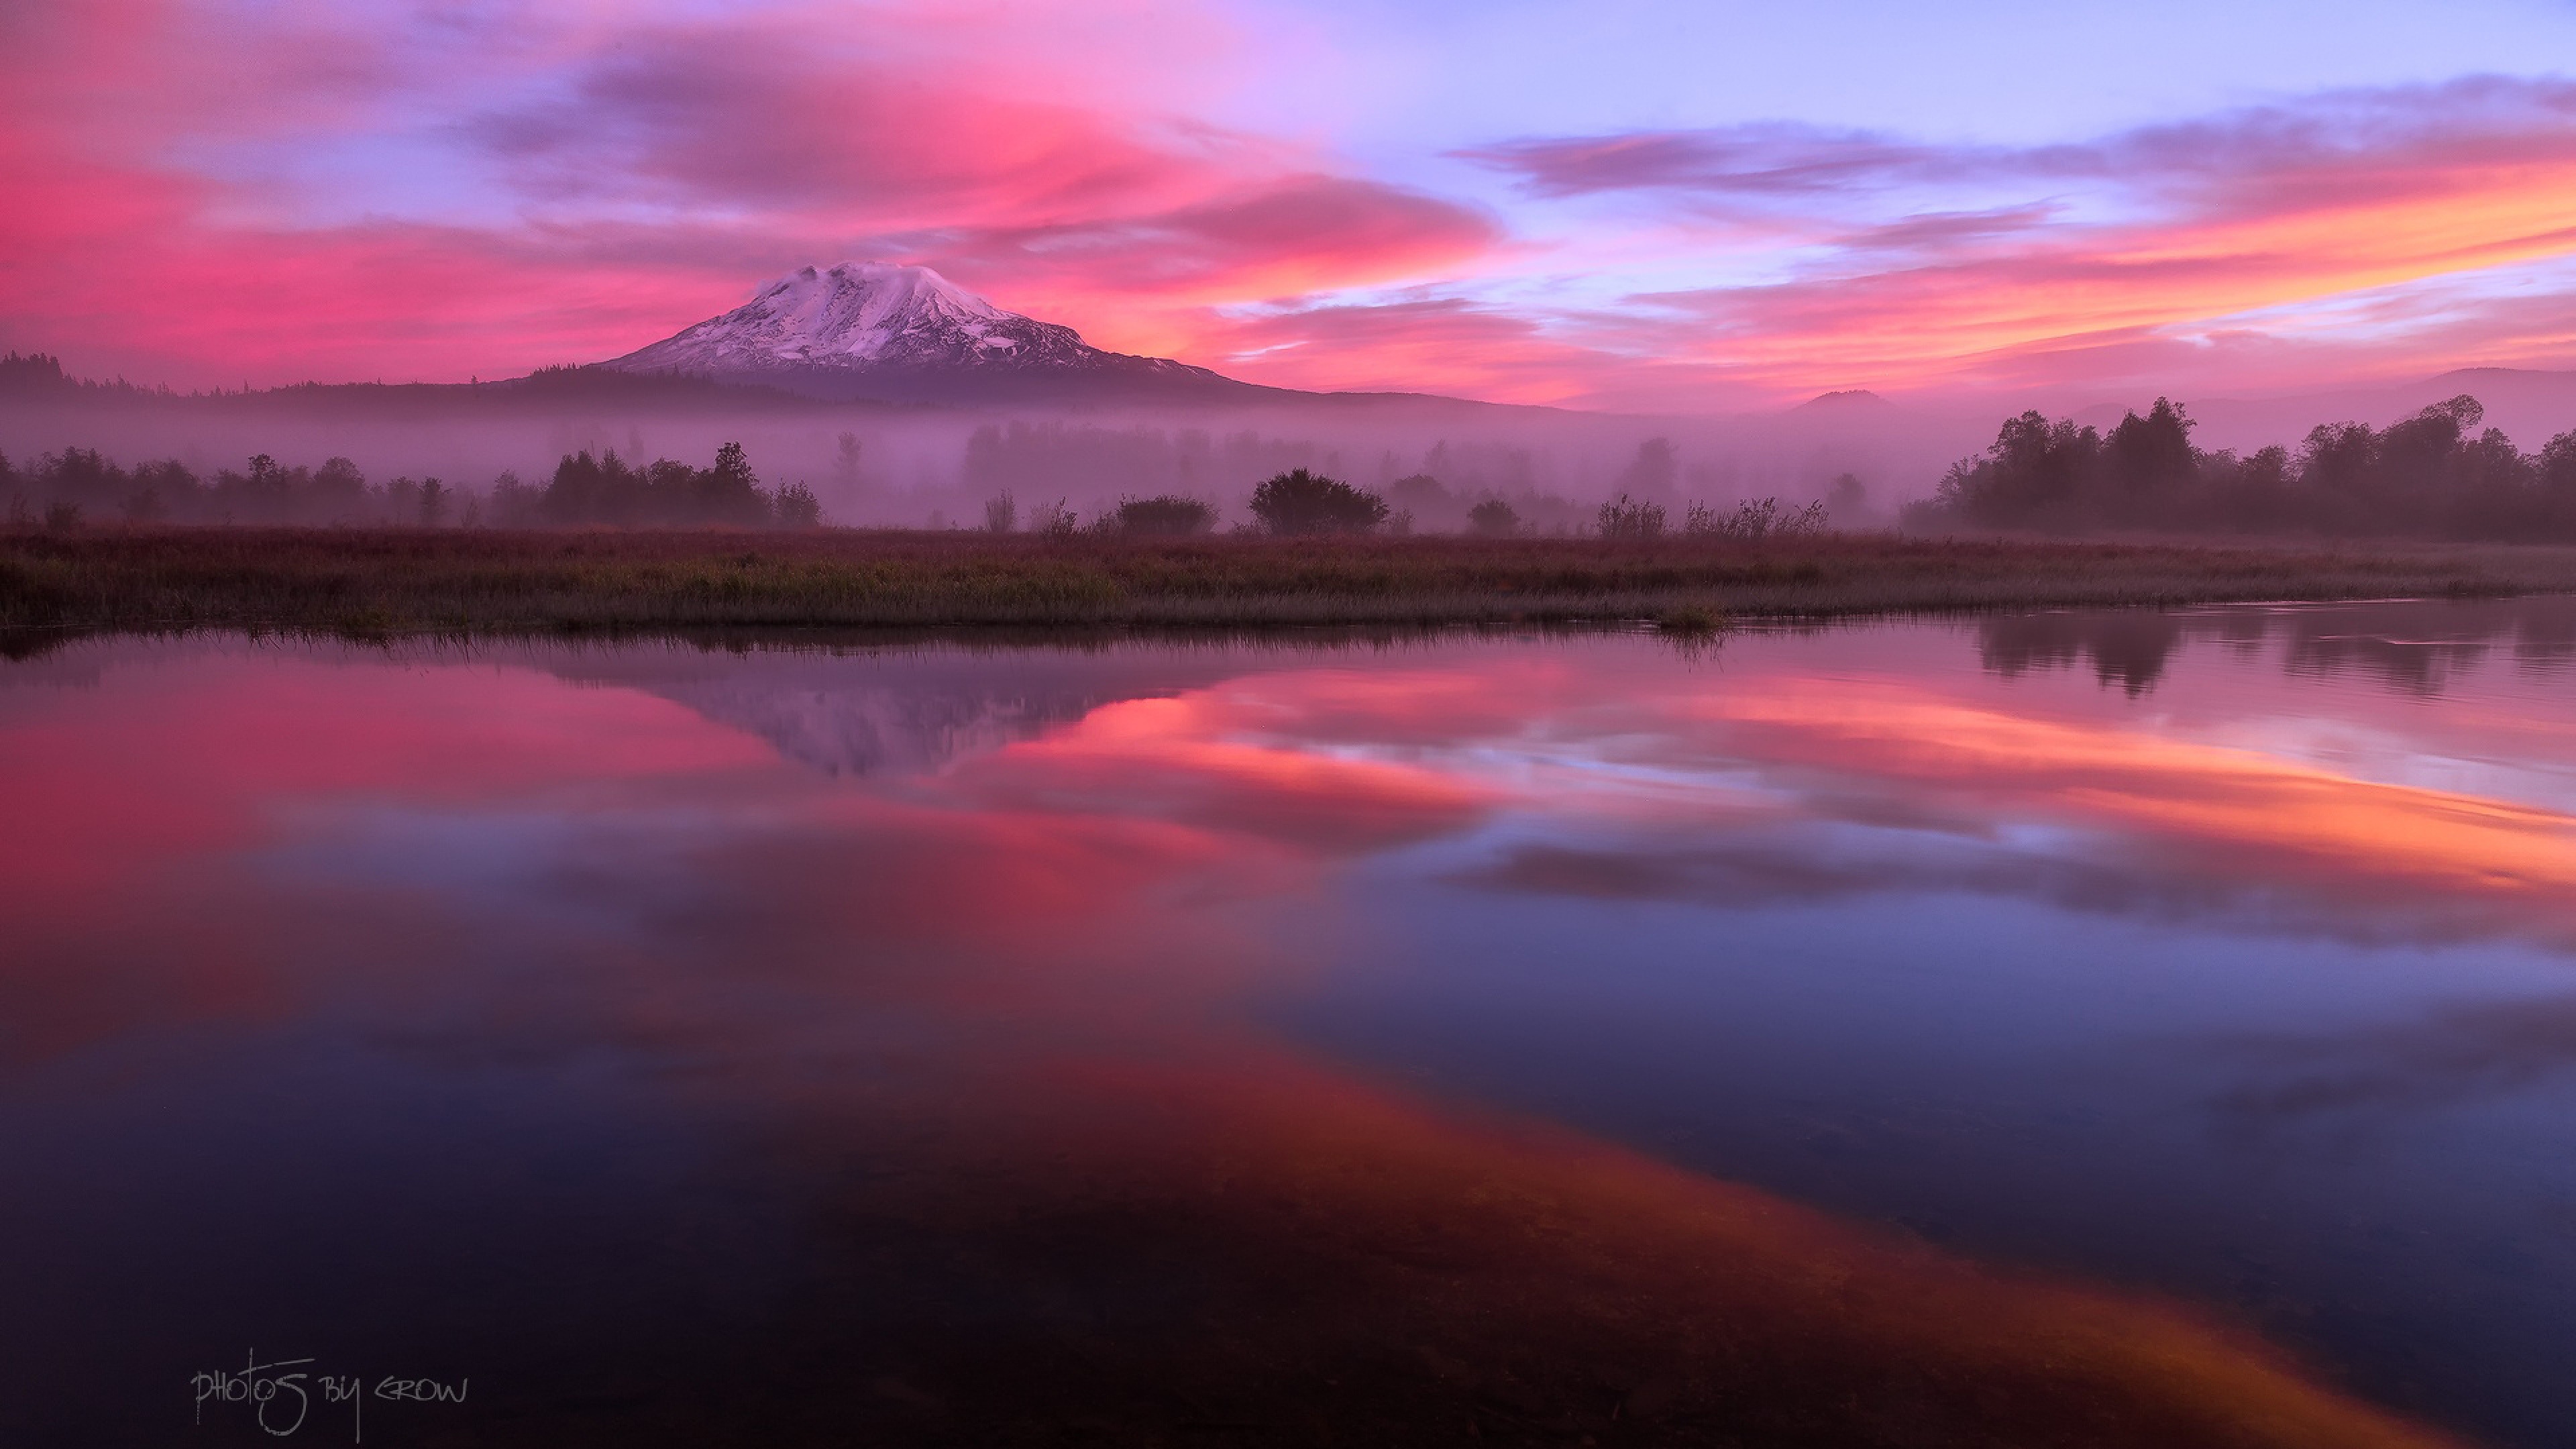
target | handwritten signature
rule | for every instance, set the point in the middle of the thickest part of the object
(282, 1394)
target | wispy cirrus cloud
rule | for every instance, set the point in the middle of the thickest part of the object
(2299, 151)
(2169, 248)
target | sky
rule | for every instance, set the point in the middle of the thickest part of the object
(1625, 204)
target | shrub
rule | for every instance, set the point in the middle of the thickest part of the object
(797, 507)
(1623, 517)
(1493, 518)
(1001, 514)
(730, 492)
(1299, 501)
(1754, 520)
(515, 504)
(1053, 520)
(1806, 522)
(1165, 515)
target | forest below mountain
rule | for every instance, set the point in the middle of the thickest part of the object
(77, 486)
(2432, 475)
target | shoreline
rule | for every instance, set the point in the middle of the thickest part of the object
(378, 583)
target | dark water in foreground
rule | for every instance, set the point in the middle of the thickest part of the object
(2063, 1029)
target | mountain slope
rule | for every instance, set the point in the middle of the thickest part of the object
(908, 334)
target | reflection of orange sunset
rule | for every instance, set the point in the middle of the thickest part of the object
(1081, 913)
(2294, 821)
(1419, 1273)
(2291, 822)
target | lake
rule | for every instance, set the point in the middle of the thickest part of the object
(2149, 1028)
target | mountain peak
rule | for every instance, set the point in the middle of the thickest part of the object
(860, 315)
(875, 297)
(902, 333)
(1844, 401)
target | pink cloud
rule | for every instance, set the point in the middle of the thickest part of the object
(2141, 259)
(203, 194)
(638, 179)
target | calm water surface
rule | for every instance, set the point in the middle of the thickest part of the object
(2066, 1028)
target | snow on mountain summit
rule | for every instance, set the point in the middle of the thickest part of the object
(863, 315)
(876, 330)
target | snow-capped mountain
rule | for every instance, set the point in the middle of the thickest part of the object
(878, 330)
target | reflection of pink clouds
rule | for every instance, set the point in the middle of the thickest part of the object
(98, 783)
(968, 879)
(1357, 759)
(1172, 758)
(1082, 841)
(2286, 821)
(134, 805)
(1003, 991)
(141, 882)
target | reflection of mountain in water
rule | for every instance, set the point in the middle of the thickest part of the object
(2414, 646)
(874, 731)
(881, 713)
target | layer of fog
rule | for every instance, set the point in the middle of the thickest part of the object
(921, 466)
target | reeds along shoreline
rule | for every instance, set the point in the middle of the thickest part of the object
(413, 580)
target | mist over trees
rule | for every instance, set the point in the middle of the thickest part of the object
(79, 486)
(2431, 475)
(1301, 501)
(1057, 457)
(1432, 461)
(1165, 515)
(663, 493)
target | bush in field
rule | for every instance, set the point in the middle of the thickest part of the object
(1624, 517)
(1299, 501)
(728, 492)
(515, 504)
(1001, 514)
(1053, 520)
(1493, 518)
(1166, 515)
(797, 507)
(1804, 522)
(1754, 520)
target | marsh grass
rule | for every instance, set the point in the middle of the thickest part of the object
(375, 583)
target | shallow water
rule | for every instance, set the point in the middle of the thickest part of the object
(1887, 1033)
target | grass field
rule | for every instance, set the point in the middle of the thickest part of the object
(383, 582)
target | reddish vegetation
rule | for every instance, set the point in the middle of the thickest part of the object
(451, 580)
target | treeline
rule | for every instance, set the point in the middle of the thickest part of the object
(1063, 459)
(606, 490)
(1078, 459)
(1302, 502)
(79, 486)
(2431, 475)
